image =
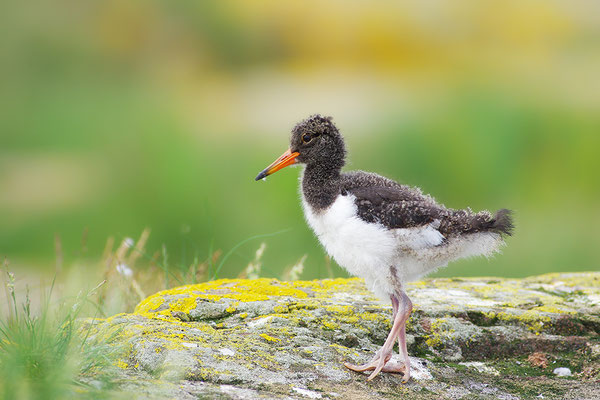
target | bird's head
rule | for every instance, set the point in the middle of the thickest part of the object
(315, 142)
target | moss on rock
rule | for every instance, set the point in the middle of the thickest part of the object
(473, 337)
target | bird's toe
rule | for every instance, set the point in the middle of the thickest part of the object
(360, 368)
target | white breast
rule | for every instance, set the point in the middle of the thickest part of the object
(363, 249)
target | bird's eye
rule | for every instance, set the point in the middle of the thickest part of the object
(306, 138)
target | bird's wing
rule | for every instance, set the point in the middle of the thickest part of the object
(414, 217)
(396, 207)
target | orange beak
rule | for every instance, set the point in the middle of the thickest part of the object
(286, 159)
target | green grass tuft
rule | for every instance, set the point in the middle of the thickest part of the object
(45, 355)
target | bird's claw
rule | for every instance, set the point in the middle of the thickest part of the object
(381, 364)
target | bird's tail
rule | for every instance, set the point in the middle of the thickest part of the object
(468, 222)
(503, 222)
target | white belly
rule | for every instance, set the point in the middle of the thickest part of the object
(364, 249)
(369, 250)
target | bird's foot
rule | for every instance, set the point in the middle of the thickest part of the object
(402, 307)
(380, 363)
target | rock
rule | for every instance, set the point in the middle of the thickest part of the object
(263, 338)
(562, 371)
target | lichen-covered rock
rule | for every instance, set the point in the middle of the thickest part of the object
(468, 338)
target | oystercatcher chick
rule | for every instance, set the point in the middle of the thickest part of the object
(379, 230)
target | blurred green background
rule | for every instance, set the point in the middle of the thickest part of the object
(120, 115)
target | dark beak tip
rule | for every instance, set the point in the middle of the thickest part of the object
(260, 176)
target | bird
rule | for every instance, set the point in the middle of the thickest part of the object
(382, 231)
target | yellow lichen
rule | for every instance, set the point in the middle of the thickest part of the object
(369, 316)
(343, 350)
(149, 304)
(281, 309)
(238, 289)
(232, 308)
(184, 305)
(330, 325)
(440, 332)
(534, 320)
(343, 310)
(269, 338)
(553, 309)
(244, 290)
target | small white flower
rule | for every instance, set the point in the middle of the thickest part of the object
(124, 270)
(129, 242)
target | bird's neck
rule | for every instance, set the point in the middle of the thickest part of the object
(321, 186)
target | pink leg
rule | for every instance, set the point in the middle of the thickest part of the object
(401, 311)
(395, 305)
(402, 339)
(365, 367)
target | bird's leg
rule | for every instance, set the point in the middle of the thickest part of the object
(367, 366)
(402, 308)
(395, 305)
(407, 309)
(398, 331)
(370, 365)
